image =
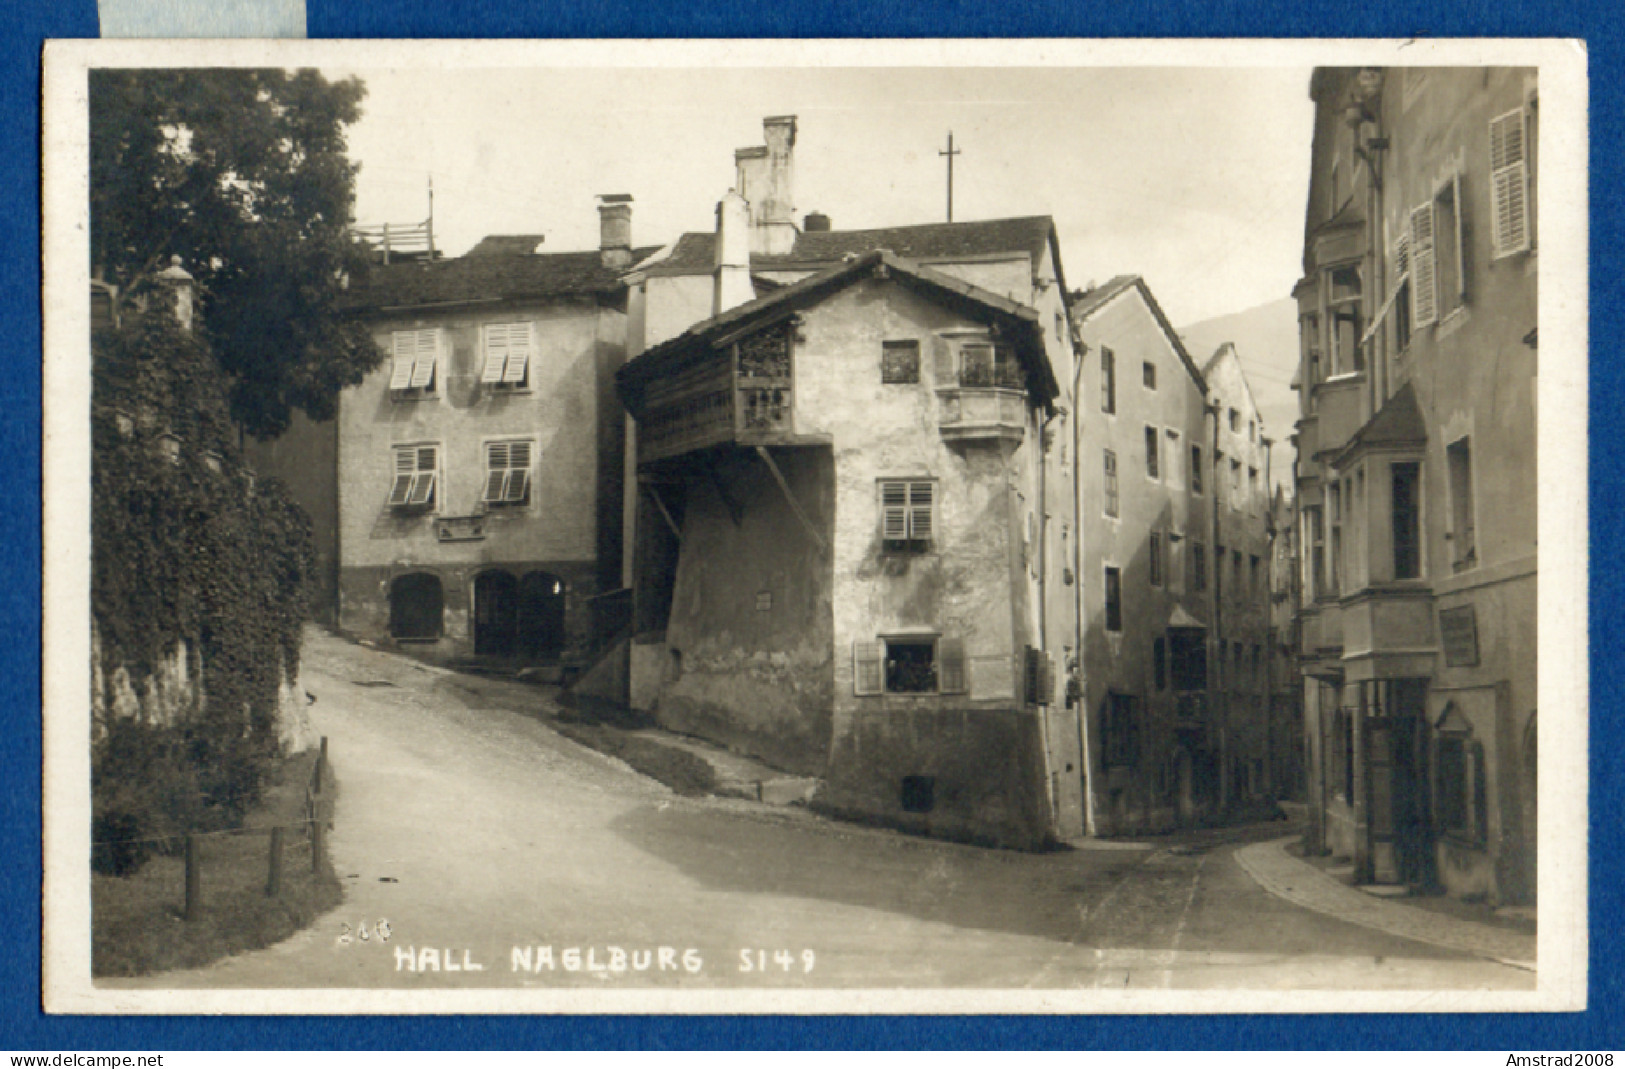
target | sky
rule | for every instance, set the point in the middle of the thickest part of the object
(1195, 178)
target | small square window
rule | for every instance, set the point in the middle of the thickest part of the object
(1148, 371)
(900, 362)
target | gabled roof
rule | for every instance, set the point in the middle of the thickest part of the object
(1086, 304)
(696, 252)
(1228, 349)
(1397, 423)
(489, 276)
(814, 288)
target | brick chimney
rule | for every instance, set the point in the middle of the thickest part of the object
(732, 287)
(766, 179)
(615, 230)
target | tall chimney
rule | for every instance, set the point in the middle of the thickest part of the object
(732, 286)
(778, 201)
(750, 182)
(615, 230)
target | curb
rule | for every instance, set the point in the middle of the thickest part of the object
(1301, 884)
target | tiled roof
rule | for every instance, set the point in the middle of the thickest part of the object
(1085, 303)
(928, 241)
(486, 277)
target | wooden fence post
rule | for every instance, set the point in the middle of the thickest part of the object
(194, 880)
(273, 879)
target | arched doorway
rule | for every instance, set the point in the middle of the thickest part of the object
(496, 614)
(541, 615)
(416, 606)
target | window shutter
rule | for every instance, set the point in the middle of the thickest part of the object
(426, 460)
(1509, 183)
(496, 481)
(1461, 238)
(942, 357)
(1425, 282)
(422, 492)
(1046, 678)
(403, 486)
(1402, 254)
(951, 665)
(519, 337)
(1031, 675)
(920, 527)
(496, 352)
(518, 486)
(867, 663)
(519, 455)
(496, 455)
(894, 511)
(400, 377)
(425, 350)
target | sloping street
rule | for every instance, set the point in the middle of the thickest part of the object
(495, 852)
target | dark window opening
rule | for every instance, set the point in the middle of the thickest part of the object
(1406, 509)
(1159, 663)
(1154, 559)
(1114, 599)
(919, 794)
(911, 666)
(1110, 501)
(1463, 539)
(1120, 731)
(1153, 452)
(1148, 372)
(1108, 380)
(1196, 469)
(1189, 657)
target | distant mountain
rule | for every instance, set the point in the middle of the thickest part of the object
(1266, 339)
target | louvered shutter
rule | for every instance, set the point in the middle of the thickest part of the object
(518, 473)
(1460, 239)
(425, 349)
(400, 376)
(519, 346)
(1424, 275)
(405, 468)
(894, 511)
(1402, 254)
(951, 665)
(1509, 183)
(942, 358)
(422, 489)
(496, 353)
(868, 662)
(1031, 675)
(920, 525)
(1046, 679)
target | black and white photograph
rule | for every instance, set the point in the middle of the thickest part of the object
(930, 526)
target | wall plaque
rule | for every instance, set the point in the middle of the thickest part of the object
(1458, 631)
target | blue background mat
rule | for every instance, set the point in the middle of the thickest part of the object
(23, 1026)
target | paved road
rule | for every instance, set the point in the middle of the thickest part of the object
(484, 838)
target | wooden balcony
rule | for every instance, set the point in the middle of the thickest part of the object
(966, 413)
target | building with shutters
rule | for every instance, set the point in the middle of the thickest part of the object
(479, 469)
(852, 514)
(1172, 468)
(1416, 476)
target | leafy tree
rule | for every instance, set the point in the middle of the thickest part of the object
(243, 175)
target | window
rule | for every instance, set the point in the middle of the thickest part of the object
(1343, 307)
(1153, 453)
(981, 364)
(1111, 484)
(1460, 787)
(1173, 457)
(1403, 313)
(1314, 536)
(1406, 507)
(1235, 421)
(1463, 544)
(1198, 566)
(900, 362)
(1252, 430)
(1256, 574)
(1334, 576)
(1509, 183)
(414, 355)
(1235, 484)
(416, 607)
(1154, 559)
(1120, 730)
(907, 518)
(1148, 371)
(416, 467)
(1235, 572)
(1159, 662)
(507, 356)
(507, 473)
(909, 664)
(1252, 490)
(1108, 380)
(1114, 599)
(1448, 267)
(1196, 470)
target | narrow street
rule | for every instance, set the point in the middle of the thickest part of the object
(485, 838)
